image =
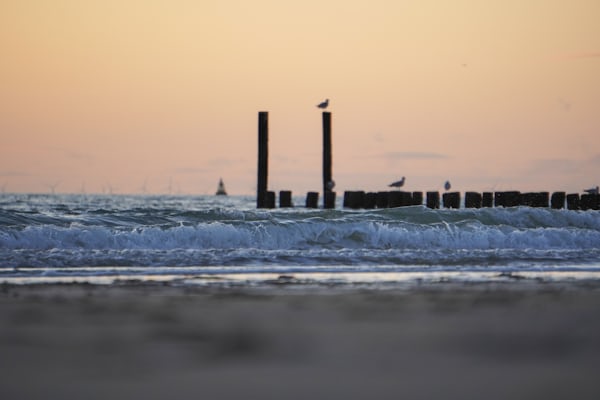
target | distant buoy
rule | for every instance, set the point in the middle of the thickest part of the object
(221, 189)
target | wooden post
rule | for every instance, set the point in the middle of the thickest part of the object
(394, 199)
(487, 199)
(557, 201)
(329, 199)
(263, 159)
(589, 201)
(347, 199)
(370, 200)
(433, 200)
(417, 198)
(451, 199)
(542, 199)
(507, 199)
(399, 198)
(573, 201)
(312, 200)
(473, 200)
(354, 199)
(327, 178)
(270, 199)
(382, 199)
(285, 198)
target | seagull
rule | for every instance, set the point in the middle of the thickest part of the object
(447, 185)
(592, 190)
(399, 183)
(324, 104)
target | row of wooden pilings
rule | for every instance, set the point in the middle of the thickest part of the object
(397, 198)
(391, 199)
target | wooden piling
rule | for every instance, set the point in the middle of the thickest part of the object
(487, 199)
(557, 201)
(263, 159)
(398, 198)
(394, 199)
(329, 199)
(327, 161)
(473, 200)
(370, 200)
(270, 199)
(507, 199)
(312, 200)
(382, 199)
(451, 199)
(354, 199)
(285, 198)
(573, 201)
(417, 198)
(433, 200)
(534, 199)
(512, 198)
(542, 199)
(589, 201)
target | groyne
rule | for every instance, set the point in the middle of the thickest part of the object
(360, 199)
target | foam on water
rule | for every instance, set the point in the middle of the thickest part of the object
(55, 232)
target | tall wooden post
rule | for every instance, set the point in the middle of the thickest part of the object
(328, 194)
(263, 159)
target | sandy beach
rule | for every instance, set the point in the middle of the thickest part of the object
(518, 339)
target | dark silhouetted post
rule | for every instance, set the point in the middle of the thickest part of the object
(312, 200)
(417, 198)
(354, 199)
(451, 199)
(487, 199)
(473, 200)
(370, 200)
(285, 198)
(557, 201)
(382, 199)
(263, 159)
(328, 194)
(329, 199)
(398, 198)
(589, 201)
(507, 199)
(270, 199)
(573, 201)
(433, 200)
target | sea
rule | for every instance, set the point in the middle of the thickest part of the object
(227, 241)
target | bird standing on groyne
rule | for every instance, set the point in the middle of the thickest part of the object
(399, 183)
(324, 104)
(592, 190)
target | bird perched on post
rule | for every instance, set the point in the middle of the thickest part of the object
(447, 185)
(399, 183)
(592, 190)
(324, 104)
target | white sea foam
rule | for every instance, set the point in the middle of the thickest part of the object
(73, 231)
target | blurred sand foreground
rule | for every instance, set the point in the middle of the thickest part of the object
(518, 340)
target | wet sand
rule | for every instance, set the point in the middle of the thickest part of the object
(519, 339)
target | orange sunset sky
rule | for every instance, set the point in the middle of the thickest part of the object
(162, 96)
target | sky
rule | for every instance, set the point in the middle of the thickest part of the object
(162, 96)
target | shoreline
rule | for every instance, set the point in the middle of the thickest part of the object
(510, 339)
(372, 279)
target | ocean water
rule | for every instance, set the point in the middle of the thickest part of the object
(202, 240)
